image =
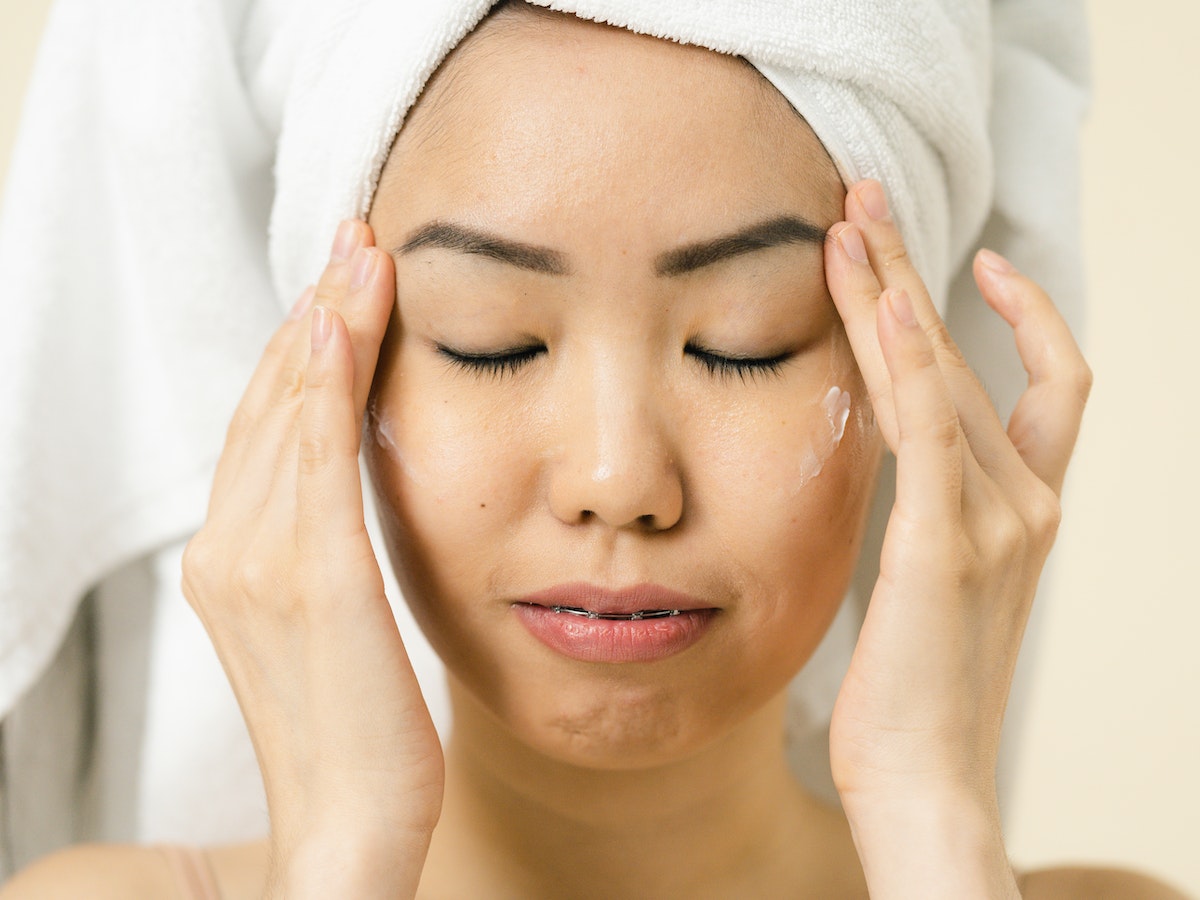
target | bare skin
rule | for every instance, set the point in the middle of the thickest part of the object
(633, 780)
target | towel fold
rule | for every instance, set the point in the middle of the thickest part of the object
(181, 168)
(897, 90)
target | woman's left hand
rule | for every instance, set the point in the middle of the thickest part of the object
(916, 727)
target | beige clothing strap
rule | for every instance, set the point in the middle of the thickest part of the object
(192, 872)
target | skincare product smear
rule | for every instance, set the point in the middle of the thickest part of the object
(836, 406)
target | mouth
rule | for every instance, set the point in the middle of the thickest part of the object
(639, 601)
(642, 623)
(635, 616)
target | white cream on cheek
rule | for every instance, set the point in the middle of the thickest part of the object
(835, 406)
(385, 437)
(829, 432)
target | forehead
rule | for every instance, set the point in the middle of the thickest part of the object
(539, 115)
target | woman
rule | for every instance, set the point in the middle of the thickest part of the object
(625, 384)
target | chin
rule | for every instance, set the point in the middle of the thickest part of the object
(619, 718)
(617, 727)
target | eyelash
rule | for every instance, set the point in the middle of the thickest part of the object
(495, 365)
(743, 367)
(508, 362)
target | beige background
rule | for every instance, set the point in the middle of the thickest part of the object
(1110, 765)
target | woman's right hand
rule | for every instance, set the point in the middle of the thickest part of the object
(284, 578)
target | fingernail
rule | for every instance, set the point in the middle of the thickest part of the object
(364, 267)
(346, 241)
(870, 195)
(996, 262)
(322, 328)
(901, 307)
(302, 303)
(852, 243)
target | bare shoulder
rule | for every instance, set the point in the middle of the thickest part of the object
(1070, 882)
(98, 871)
(112, 871)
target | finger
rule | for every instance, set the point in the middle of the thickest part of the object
(284, 380)
(1045, 423)
(866, 206)
(330, 292)
(278, 380)
(328, 493)
(281, 395)
(266, 421)
(929, 445)
(351, 235)
(368, 310)
(241, 425)
(364, 314)
(362, 291)
(281, 345)
(855, 291)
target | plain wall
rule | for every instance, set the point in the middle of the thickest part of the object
(1109, 767)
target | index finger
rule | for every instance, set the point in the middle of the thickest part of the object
(855, 291)
(1045, 422)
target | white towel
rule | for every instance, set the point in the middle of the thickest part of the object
(896, 89)
(147, 249)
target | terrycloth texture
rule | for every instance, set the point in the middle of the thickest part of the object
(146, 251)
(136, 299)
(896, 89)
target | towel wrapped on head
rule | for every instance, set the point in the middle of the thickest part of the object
(151, 252)
(897, 91)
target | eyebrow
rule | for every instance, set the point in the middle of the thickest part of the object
(449, 236)
(771, 233)
(774, 232)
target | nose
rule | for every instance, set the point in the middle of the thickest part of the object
(616, 463)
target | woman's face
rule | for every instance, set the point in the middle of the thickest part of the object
(615, 382)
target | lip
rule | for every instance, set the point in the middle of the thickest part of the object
(606, 601)
(592, 638)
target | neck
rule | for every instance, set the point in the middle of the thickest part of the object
(729, 820)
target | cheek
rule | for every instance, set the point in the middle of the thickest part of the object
(436, 450)
(450, 475)
(788, 490)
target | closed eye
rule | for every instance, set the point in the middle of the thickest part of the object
(508, 362)
(725, 366)
(497, 365)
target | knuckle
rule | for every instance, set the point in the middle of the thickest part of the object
(946, 433)
(1043, 513)
(197, 563)
(1005, 534)
(1012, 533)
(226, 577)
(1082, 380)
(943, 431)
(263, 585)
(290, 384)
(317, 451)
(332, 287)
(318, 379)
(964, 560)
(894, 254)
(948, 350)
(251, 577)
